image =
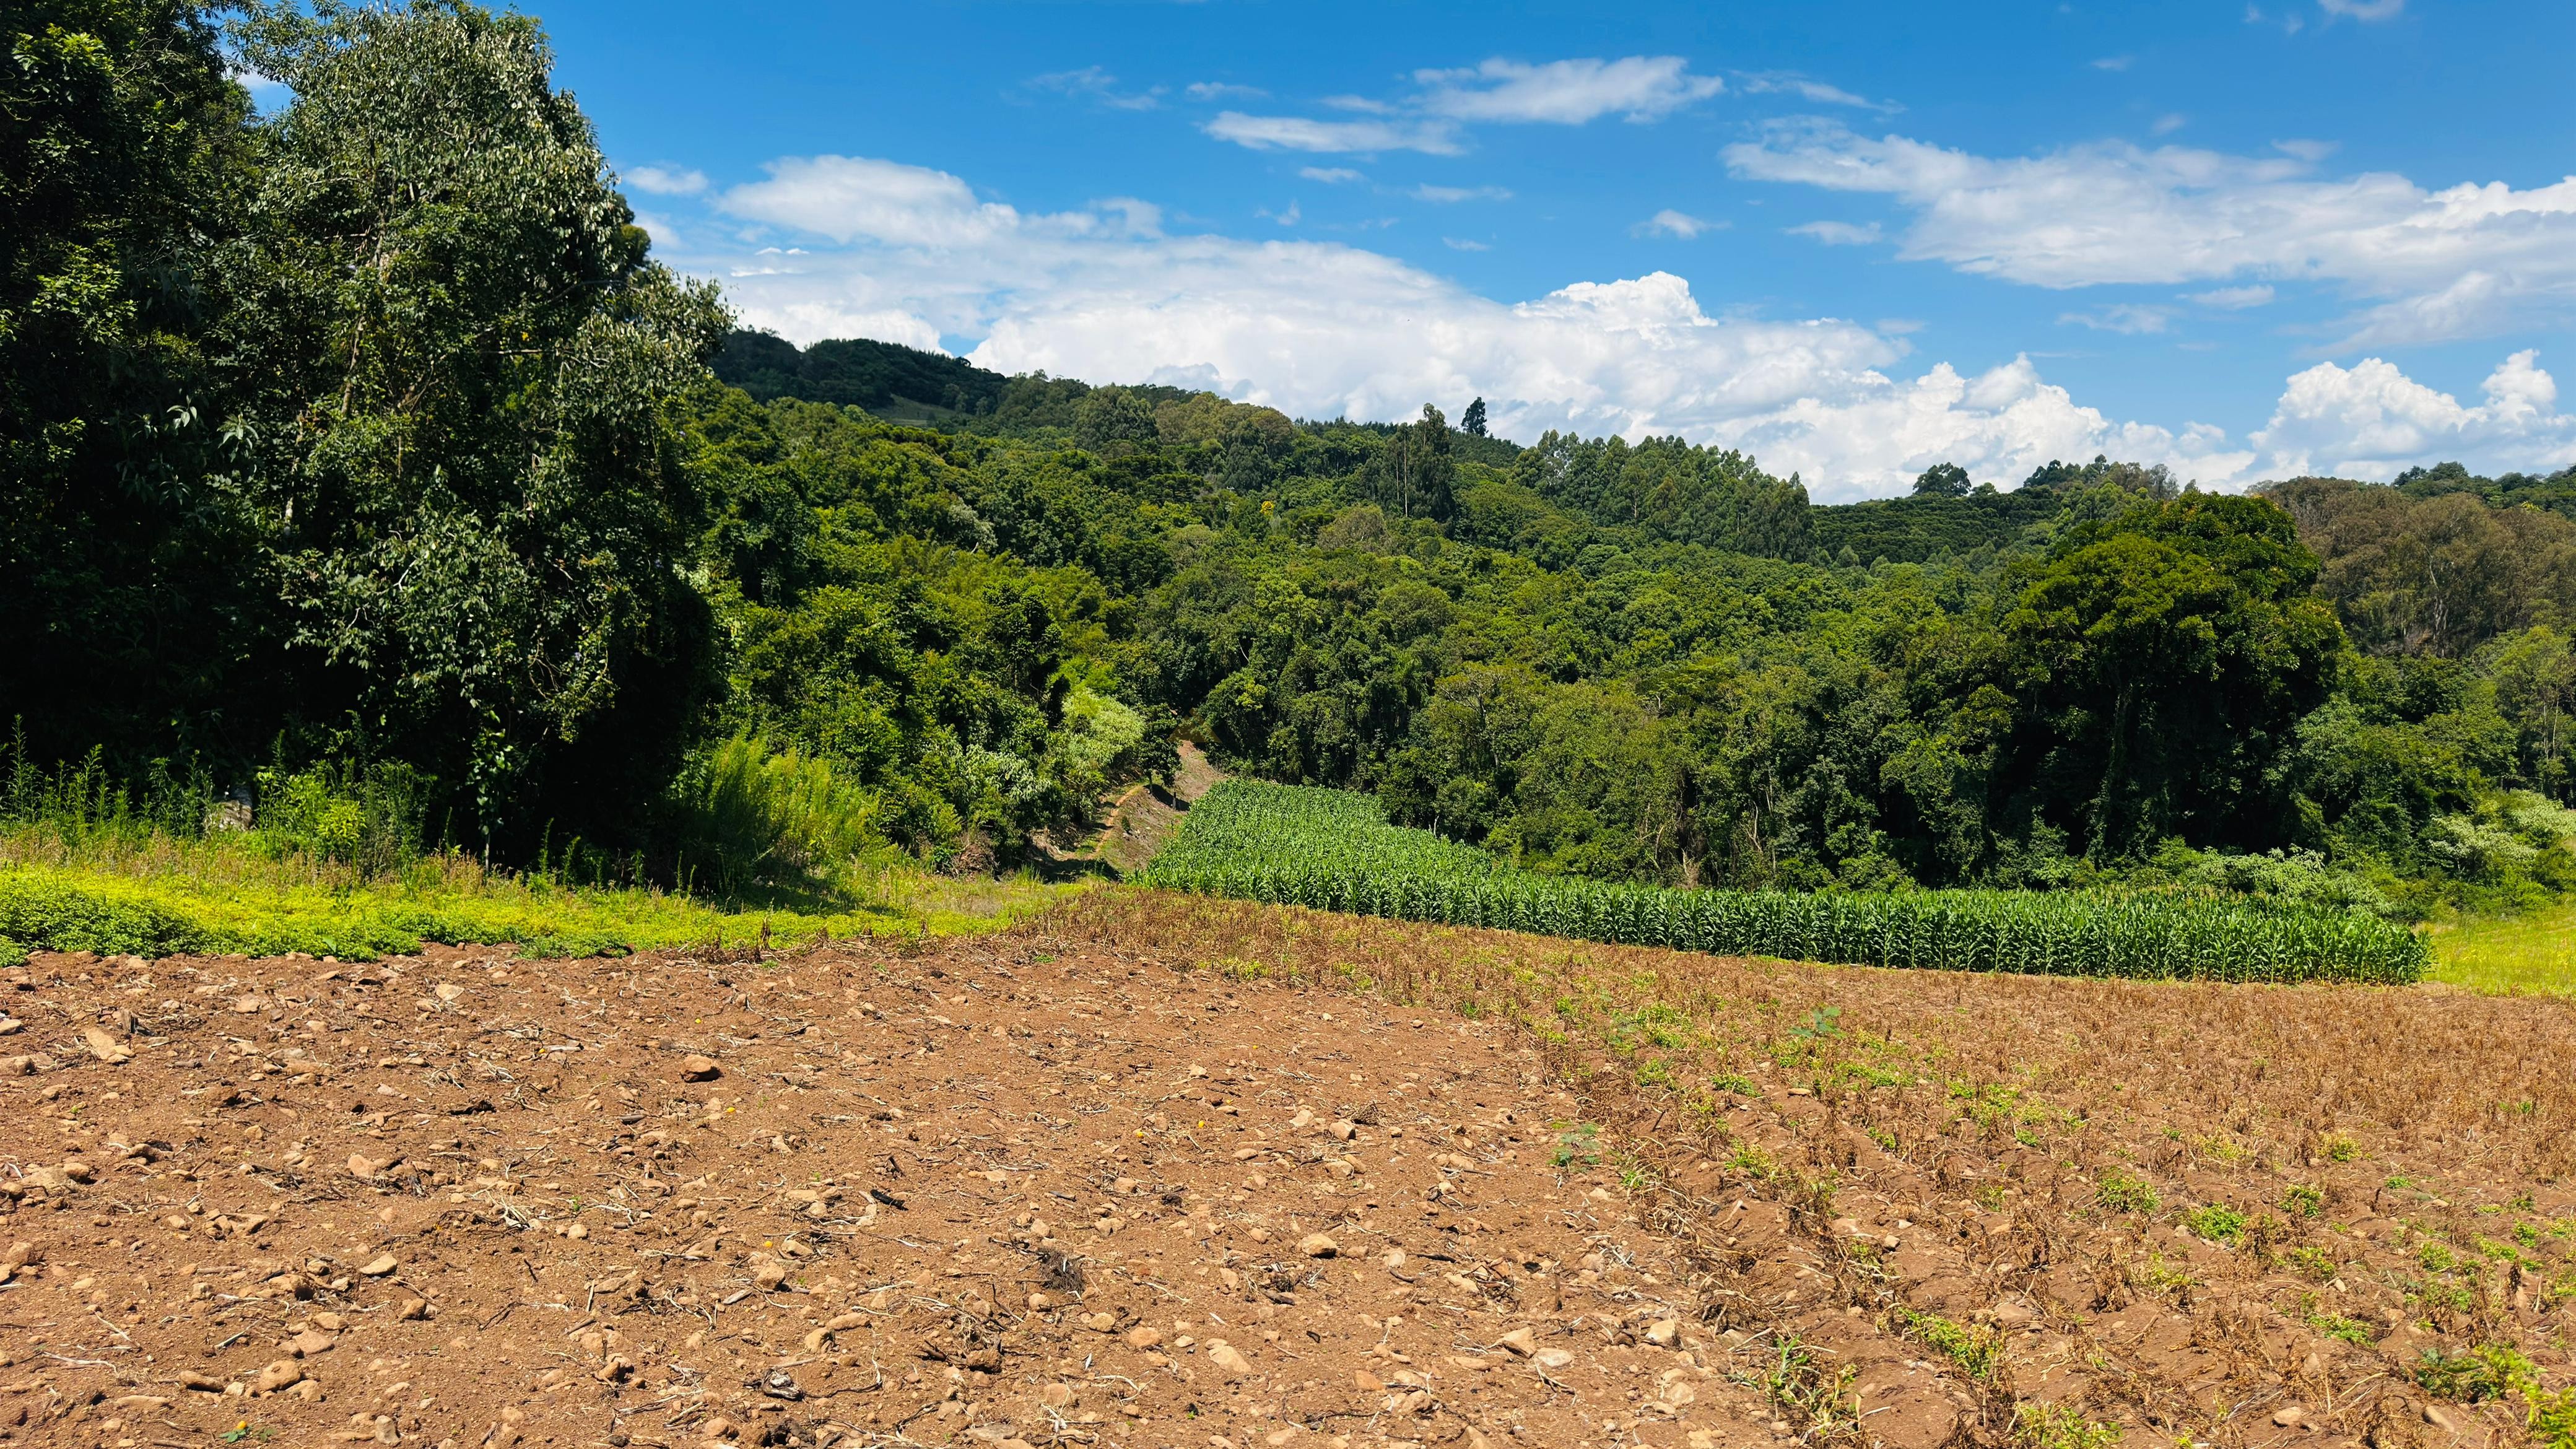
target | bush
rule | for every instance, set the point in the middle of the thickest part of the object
(753, 817)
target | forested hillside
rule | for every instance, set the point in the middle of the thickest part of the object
(365, 444)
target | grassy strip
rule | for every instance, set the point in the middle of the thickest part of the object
(2526, 955)
(1330, 850)
(128, 908)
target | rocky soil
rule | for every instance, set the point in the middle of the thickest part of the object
(1163, 1173)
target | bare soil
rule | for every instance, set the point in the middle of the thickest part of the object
(1163, 1172)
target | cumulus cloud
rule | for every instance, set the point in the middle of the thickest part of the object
(1300, 133)
(1677, 224)
(855, 247)
(2371, 420)
(2433, 265)
(1566, 92)
(667, 180)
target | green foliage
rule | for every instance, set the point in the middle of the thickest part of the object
(2059, 1426)
(758, 817)
(2303, 1201)
(1979, 1352)
(2215, 1223)
(2125, 1192)
(1334, 851)
(2488, 1372)
(363, 469)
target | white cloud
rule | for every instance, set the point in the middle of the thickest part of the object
(2125, 317)
(2362, 9)
(1219, 90)
(2234, 299)
(1462, 244)
(1298, 133)
(1838, 233)
(667, 180)
(2439, 265)
(2166, 125)
(2371, 420)
(1791, 83)
(1099, 85)
(1104, 293)
(2114, 62)
(1453, 194)
(1330, 175)
(1566, 92)
(1671, 223)
(1559, 92)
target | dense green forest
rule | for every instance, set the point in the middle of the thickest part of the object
(362, 448)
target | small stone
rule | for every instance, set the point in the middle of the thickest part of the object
(1522, 1341)
(1228, 1359)
(105, 1047)
(1318, 1245)
(770, 1275)
(2440, 1418)
(699, 1069)
(382, 1264)
(1552, 1358)
(202, 1383)
(1057, 1396)
(1142, 1337)
(310, 1342)
(2290, 1416)
(1100, 1322)
(412, 1309)
(717, 1427)
(284, 1373)
(1663, 1332)
(447, 991)
(1366, 1382)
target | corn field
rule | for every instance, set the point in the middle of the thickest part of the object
(1333, 850)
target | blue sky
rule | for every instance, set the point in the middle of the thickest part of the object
(1855, 239)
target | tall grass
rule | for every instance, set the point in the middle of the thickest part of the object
(1332, 850)
(333, 863)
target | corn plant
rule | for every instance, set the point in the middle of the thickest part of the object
(1334, 850)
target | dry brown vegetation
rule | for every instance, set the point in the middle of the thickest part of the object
(1020, 1189)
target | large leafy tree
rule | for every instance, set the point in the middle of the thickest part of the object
(121, 153)
(454, 366)
(2164, 657)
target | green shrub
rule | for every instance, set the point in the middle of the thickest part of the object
(757, 817)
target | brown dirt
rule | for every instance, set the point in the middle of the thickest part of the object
(1023, 1188)
(1143, 818)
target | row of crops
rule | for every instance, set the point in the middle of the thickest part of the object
(1333, 850)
